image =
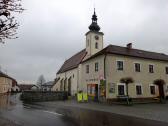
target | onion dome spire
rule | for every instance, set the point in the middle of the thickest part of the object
(94, 26)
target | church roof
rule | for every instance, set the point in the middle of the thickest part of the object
(72, 62)
(119, 50)
(76, 59)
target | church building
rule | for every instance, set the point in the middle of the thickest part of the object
(98, 70)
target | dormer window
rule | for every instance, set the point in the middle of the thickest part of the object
(96, 45)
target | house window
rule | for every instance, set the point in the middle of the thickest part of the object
(137, 67)
(166, 70)
(96, 67)
(96, 45)
(152, 89)
(138, 89)
(151, 69)
(121, 90)
(87, 68)
(120, 65)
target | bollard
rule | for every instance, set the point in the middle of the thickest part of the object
(85, 97)
(79, 97)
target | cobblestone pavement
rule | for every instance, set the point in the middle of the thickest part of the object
(152, 111)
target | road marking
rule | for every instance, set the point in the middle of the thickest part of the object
(27, 107)
(53, 113)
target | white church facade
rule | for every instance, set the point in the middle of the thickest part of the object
(98, 70)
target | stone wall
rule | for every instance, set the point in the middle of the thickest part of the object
(38, 96)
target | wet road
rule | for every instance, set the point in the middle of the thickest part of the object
(43, 114)
(13, 109)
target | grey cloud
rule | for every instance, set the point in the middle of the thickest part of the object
(50, 32)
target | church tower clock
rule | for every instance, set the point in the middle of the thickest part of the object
(94, 38)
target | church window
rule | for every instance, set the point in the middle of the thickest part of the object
(96, 45)
(87, 68)
(96, 67)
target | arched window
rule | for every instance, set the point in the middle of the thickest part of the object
(88, 42)
(96, 45)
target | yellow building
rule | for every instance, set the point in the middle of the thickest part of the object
(5, 83)
(98, 70)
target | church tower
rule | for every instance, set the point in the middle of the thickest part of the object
(94, 38)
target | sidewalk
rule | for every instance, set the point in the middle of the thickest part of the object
(153, 111)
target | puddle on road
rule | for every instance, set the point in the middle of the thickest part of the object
(85, 117)
(7, 101)
(70, 116)
(24, 114)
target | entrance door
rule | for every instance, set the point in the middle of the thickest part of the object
(96, 92)
(161, 91)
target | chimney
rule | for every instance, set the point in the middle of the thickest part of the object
(129, 46)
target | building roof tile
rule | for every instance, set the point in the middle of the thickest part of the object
(72, 62)
(119, 50)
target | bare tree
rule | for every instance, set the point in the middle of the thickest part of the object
(8, 23)
(41, 80)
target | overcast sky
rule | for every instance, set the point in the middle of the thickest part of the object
(53, 30)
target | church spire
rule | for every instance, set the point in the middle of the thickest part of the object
(94, 26)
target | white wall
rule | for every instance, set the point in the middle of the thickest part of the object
(74, 80)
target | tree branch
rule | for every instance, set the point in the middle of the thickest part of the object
(8, 24)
